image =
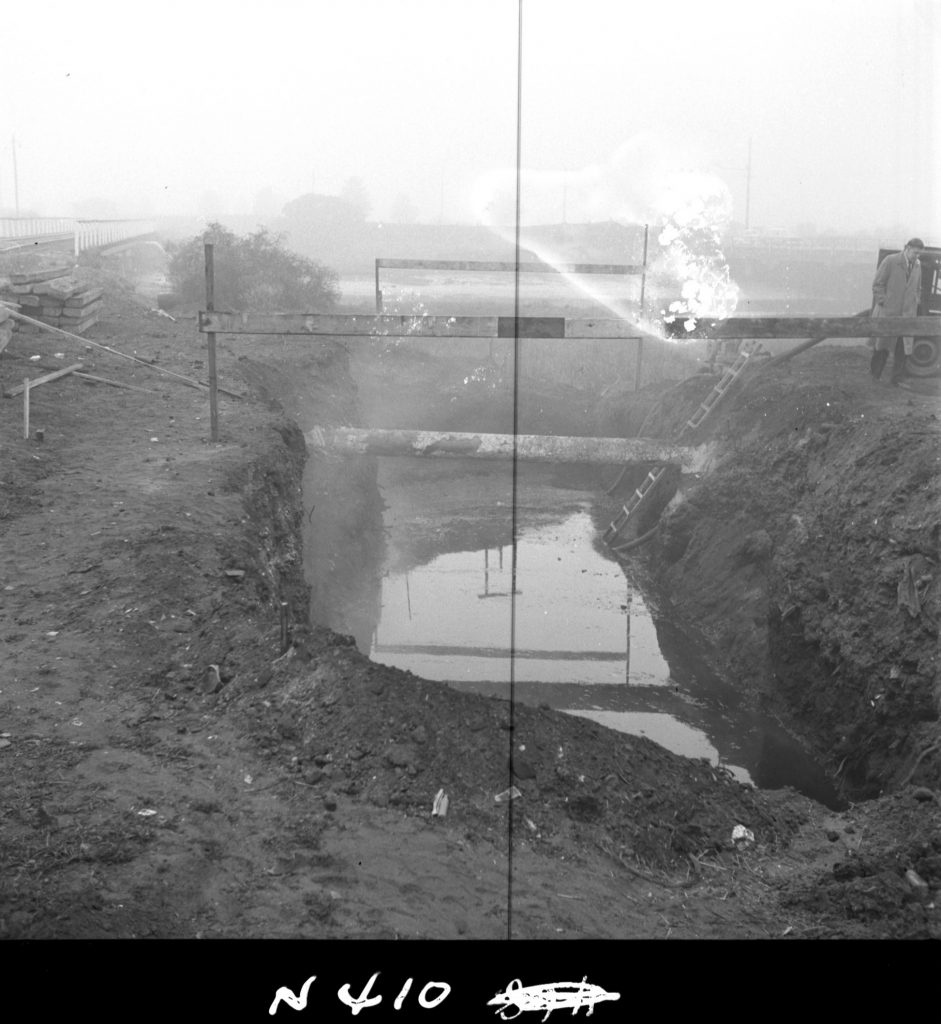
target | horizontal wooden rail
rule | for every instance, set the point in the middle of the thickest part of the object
(527, 447)
(378, 326)
(805, 327)
(532, 267)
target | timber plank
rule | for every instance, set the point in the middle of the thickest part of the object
(806, 327)
(528, 447)
(531, 267)
(113, 383)
(365, 325)
(320, 324)
(18, 390)
(85, 297)
(35, 276)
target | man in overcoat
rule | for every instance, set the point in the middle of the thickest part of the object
(896, 291)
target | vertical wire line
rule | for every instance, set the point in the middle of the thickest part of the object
(515, 463)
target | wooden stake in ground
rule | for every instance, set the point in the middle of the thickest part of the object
(105, 348)
(210, 307)
(26, 408)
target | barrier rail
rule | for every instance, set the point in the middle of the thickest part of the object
(92, 234)
(85, 233)
(33, 227)
(830, 250)
(503, 266)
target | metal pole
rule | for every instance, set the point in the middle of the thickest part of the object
(643, 272)
(210, 307)
(16, 181)
(748, 188)
(643, 287)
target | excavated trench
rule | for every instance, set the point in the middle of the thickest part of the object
(414, 560)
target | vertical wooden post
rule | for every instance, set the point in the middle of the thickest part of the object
(627, 642)
(378, 293)
(211, 338)
(285, 632)
(643, 287)
(643, 272)
(26, 408)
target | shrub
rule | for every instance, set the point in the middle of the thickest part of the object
(252, 272)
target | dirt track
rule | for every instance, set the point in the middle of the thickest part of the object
(288, 794)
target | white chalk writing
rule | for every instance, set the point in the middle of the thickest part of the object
(562, 995)
(285, 995)
(427, 998)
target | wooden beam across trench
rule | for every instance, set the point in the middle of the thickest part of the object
(504, 266)
(819, 327)
(526, 447)
(381, 325)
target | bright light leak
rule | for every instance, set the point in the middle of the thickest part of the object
(696, 210)
(686, 210)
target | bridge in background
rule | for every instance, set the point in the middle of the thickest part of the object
(69, 233)
(822, 250)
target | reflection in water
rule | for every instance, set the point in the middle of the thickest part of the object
(583, 641)
(575, 618)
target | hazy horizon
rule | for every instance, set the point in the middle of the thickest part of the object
(814, 117)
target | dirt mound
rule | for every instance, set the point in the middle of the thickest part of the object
(391, 739)
(881, 886)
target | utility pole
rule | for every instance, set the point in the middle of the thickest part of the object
(16, 181)
(748, 188)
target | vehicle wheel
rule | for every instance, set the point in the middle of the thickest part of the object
(925, 360)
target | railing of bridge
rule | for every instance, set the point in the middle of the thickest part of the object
(92, 234)
(35, 227)
(86, 234)
(788, 244)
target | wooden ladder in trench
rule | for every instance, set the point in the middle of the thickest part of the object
(613, 534)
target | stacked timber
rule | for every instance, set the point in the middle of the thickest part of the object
(53, 296)
(6, 328)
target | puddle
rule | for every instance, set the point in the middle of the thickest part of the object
(576, 635)
(575, 619)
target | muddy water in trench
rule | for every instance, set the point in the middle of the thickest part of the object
(579, 635)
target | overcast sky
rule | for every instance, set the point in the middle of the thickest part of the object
(624, 106)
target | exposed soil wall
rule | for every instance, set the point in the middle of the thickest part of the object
(809, 557)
